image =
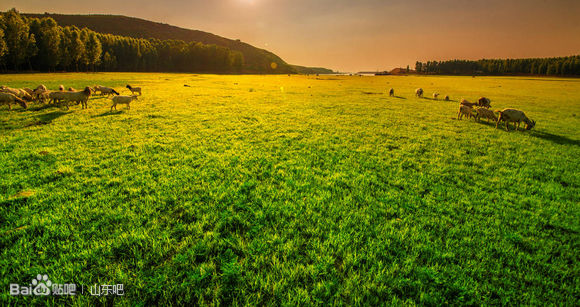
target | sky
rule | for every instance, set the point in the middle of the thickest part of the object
(360, 35)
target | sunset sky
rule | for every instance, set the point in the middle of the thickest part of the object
(350, 35)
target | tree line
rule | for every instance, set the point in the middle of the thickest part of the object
(558, 66)
(40, 44)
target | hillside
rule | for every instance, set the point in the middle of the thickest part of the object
(256, 59)
(312, 70)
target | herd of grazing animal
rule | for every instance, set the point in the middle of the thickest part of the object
(481, 109)
(24, 96)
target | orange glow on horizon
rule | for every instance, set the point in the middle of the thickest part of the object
(362, 35)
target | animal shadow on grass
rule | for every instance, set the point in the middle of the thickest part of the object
(109, 113)
(48, 106)
(45, 119)
(558, 139)
(39, 120)
(437, 99)
(484, 122)
(19, 110)
(400, 97)
(442, 99)
(49, 117)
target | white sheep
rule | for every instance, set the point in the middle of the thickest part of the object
(13, 91)
(464, 110)
(56, 97)
(81, 97)
(61, 87)
(486, 113)
(123, 100)
(134, 89)
(41, 93)
(9, 99)
(24, 94)
(41, 87)
(515, 116)
(97, 90)
(435, 95)
(20, 93)
(464, 102)
(105, 90)
(29, 91)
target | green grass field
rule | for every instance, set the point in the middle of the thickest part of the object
(294, 190)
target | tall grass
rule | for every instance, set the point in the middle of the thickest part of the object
(294, 190)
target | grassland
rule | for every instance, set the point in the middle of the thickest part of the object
(294, 190)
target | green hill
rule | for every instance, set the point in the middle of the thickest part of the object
(256, 59)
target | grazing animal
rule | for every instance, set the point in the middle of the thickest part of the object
(446, 98)
(106, 90)
(9, 99)
(123, 100)
(467, 103)
(41, 87)
(81, 97)
(43, 97)
(515, 116)
(72, 89)
(25, 95)
(20, 93)
(40, 93)
(29, 91)
(137, 89)
(57, 97)
(419, 92)
(392, 92)
(97, 90)
(435, 95)
(485, 113)
(484, 102)
(13, 91)
(464, 110)
(61, 88)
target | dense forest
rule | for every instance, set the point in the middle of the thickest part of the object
(40, 44)
(255, 59)
(560, 66)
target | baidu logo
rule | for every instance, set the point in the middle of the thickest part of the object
(42, 286)
(39, 286)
